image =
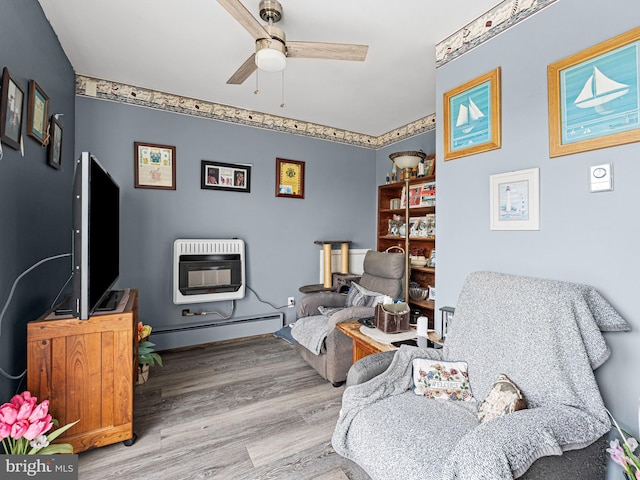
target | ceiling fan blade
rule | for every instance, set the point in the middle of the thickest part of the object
(330, 51)
(245, 70)
(244, 18)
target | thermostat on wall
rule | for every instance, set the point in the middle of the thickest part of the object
(601, 178)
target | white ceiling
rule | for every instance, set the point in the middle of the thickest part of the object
(191, 47)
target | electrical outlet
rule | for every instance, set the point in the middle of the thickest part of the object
(291, 301)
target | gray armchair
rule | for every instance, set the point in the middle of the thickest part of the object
(544, 335)
(331, 353)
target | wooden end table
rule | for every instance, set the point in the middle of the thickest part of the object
(364, 345)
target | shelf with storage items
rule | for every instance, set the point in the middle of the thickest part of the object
(390, 232)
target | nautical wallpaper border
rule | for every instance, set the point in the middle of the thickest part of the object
(501, 17)
(144, 97)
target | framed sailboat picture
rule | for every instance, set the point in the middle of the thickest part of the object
(593, 97)
(472, 121)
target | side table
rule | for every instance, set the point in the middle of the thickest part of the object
(364, 345)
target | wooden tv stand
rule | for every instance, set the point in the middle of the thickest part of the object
(87, 370)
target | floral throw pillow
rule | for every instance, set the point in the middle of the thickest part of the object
(359, 296)
(441, 380)
(505, 397)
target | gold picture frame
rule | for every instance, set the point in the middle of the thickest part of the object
(472, 117)
(593, 97)
(37, 113)
(289, 178)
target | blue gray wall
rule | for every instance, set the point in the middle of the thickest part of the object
(584, 237)
(35, 199)
(339, 203)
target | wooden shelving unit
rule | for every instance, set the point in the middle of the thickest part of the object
(425, 276)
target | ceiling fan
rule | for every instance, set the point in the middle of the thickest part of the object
(272, 48)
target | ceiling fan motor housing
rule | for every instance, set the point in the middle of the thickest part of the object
(270, 11)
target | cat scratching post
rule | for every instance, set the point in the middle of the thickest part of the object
(344, 258)
(328, 274)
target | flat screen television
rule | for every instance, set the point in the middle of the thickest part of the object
(96, 238)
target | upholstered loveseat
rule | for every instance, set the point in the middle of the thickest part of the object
(544, 335)
(325, 348)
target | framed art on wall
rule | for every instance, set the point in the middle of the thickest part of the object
(37, 112)
(11, 105)
(55, 143)
(289, 178)
(514, 200)
(231, 177)
(593, 97)
(472, 117)
(155, 166)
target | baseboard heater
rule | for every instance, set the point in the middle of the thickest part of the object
(215, 330)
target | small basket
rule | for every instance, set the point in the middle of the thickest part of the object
(392, 317)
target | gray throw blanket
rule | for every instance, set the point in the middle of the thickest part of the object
(311, 332)
(545, 335)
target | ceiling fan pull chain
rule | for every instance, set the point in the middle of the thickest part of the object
(282, 104)
(257, 90)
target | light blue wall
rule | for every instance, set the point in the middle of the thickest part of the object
(35, 199)
(279, 233)
(584, 237)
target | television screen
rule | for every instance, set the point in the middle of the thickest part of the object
(96, 235)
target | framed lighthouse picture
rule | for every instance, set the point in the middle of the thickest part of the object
(472, 118)
(514, 200)
(593, 97)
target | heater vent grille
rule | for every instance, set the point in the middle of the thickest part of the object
(209, 247)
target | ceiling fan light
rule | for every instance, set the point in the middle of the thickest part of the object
(271, 60)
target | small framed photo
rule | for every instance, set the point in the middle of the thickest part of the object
(155, 166)
(37, 113)
(55, 143)
(289, 178)
(231, 177)
(472, 118)
(11, 106)
(429, 166)
(515, 200)
(594, 100)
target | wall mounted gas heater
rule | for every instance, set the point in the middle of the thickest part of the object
(208, 270)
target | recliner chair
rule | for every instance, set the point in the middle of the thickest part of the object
(383, 274)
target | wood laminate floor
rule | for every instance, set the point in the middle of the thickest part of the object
(240, 409)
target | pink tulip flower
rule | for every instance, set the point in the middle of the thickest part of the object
(5, 430)
(8, 414)
(19, 428)
(38, 428)
(25, 396)
(39, 412)
(25, 410)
